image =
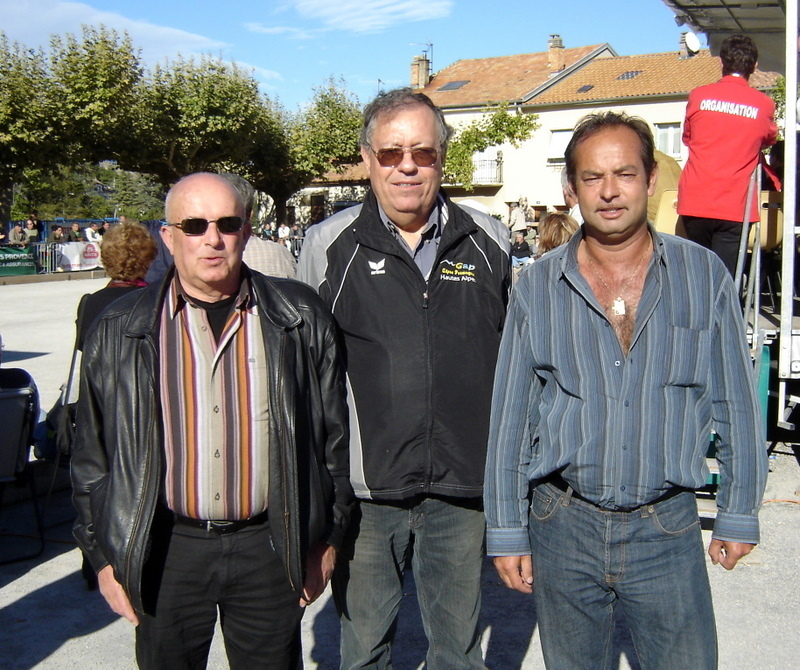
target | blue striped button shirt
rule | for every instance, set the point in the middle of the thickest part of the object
(623, 430)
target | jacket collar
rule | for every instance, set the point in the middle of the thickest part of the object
(735, 79)
(269, 299)
(370, 230)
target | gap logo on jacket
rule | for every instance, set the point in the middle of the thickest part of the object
(420, 352)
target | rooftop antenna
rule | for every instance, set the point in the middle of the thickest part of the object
(380, 81)
(427, 52)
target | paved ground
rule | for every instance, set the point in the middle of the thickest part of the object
(48, 620)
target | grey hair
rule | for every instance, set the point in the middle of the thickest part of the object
(245, 190)
(391, 102)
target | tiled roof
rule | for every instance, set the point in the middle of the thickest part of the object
(504, 78)
(351, 174)
(514, 78)
(649, 75)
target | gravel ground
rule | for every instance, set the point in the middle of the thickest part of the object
(48, 620)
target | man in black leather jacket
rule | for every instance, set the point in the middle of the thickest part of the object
(217, 389)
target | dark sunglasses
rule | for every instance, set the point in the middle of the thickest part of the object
(227, 225)
(422, 156)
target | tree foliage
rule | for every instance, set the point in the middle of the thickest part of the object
(27, 135)
(194, 114)
(497, 126)
(136, 195)
(90, 99)
(778, 95)
(63, 191)
(291, 150)
(94, 93)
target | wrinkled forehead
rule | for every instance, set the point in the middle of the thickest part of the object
(415, 119)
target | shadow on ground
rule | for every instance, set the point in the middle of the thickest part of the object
(508, 620)
(15, 356)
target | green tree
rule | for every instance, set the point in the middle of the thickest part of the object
(497, 126)
(291, 150)
(95, 93)
(778, 95)
(63, 191)
(193, 116)
(136, 195)
(27, 136)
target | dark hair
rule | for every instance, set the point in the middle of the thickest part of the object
(739, 55)
(594, 123)
(391, 102)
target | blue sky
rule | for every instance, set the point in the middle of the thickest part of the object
(294, 45)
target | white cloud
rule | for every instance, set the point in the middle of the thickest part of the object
(32, 22)
(261, 73)
(291, 33)
(362, 16)
(358, 16)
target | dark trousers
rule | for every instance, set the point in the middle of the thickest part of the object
(719, 235)
(191, 574)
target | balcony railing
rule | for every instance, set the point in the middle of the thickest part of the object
(487, 172)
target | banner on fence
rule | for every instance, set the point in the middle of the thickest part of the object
(74, 256)
(15, 261)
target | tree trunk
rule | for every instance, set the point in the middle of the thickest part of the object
(280, 210)
(6, 197)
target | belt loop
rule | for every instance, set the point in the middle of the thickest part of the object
(208, 526)
(567, 496)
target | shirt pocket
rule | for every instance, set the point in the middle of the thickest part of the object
(258, 371)
(688, 357)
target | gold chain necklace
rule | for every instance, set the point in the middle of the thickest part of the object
(618, 305)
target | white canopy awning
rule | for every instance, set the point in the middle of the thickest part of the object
(763, 20)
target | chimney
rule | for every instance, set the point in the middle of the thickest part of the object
(556, 60)
(684, 52)
(420, 71)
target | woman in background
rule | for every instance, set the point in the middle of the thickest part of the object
(555, 229)
(126, 252)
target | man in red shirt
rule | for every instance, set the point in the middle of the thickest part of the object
(727, 125)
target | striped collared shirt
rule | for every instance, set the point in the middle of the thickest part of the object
(624, 429)
(215, 409)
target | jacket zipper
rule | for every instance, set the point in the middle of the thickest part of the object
(286, 509)
(140, 516)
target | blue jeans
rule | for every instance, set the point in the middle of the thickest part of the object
(519, 262)
(446, 559)
(649, 562)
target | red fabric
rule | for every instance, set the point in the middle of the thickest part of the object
(726, 126)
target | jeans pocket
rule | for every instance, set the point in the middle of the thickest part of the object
(544, 504)
(676, 519)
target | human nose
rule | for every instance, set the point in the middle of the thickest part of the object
(407, 163)
(212, 236)
(609, 188)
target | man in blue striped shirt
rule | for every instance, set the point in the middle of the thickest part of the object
(621, 351)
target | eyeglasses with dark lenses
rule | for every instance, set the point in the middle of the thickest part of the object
(227, 225)
(392, 157)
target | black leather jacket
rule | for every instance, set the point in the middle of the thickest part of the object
(117, 463)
